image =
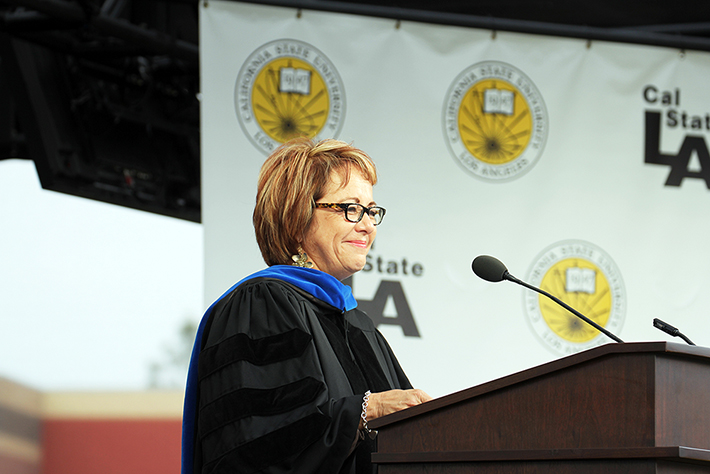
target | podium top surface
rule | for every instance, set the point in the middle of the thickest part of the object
(607, 350)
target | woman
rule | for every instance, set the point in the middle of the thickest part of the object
(286, 372)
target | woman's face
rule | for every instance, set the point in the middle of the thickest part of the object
(333, 244)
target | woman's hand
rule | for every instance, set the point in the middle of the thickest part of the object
(384, 403)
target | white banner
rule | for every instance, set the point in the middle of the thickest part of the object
(583, 166)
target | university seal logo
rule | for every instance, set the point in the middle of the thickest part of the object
(285, 89)
(586, 278)
(495, 121)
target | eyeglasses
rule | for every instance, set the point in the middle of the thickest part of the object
(354, 211)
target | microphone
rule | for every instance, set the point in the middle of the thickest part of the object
(668, 329)
(490, 268)
(493, 270)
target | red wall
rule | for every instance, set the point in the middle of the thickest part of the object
(111, 446)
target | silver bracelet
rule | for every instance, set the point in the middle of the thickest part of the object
(363, 415)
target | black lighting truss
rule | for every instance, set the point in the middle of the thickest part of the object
(103, 97)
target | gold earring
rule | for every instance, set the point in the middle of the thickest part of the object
(301, 259)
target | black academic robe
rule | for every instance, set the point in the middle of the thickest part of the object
(281, 381)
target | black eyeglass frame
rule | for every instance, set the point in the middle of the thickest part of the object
(345, 205)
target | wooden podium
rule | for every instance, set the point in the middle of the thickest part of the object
(618, 408)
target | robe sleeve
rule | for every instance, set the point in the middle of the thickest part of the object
(263, 404)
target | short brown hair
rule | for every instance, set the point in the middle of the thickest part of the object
(291, 180)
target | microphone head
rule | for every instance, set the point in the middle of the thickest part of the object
(489, 268)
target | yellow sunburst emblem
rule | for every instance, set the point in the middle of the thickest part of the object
(585, 277)
(290, 99)
(287, 89)
(495, 121)
(580, 284)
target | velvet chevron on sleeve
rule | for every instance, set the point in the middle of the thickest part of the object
(280, 376)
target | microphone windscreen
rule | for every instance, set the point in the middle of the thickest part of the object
(489, 268)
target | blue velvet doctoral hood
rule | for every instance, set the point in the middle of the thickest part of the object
(321, 285)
